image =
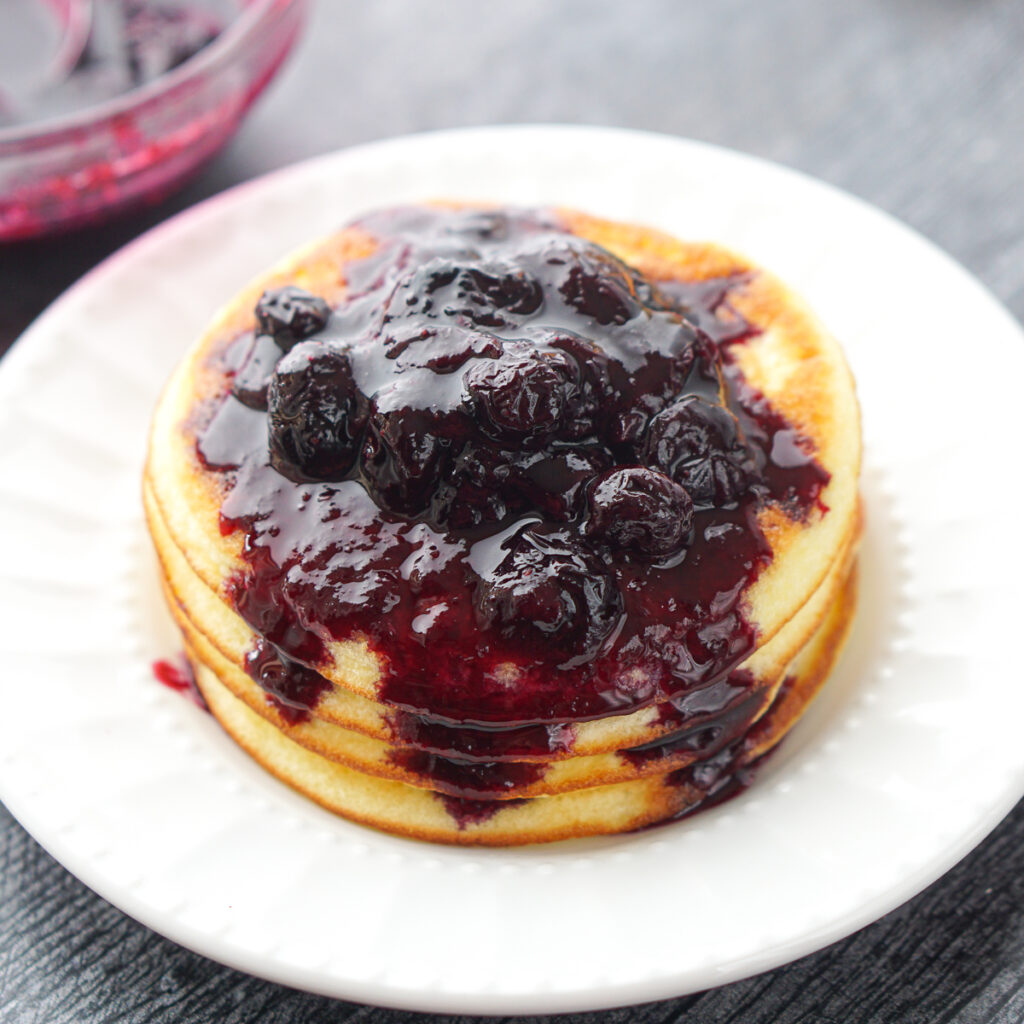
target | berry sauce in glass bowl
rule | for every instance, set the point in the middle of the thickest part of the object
(107, 104)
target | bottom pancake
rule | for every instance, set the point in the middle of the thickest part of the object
(595, 810)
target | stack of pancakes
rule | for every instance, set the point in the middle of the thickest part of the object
(503, 783)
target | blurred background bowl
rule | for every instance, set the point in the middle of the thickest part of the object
(66, 171)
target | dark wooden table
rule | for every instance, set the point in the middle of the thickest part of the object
(914, 105)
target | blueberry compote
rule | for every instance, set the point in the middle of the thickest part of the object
(525, 476)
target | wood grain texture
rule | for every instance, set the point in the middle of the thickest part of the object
(915, 105)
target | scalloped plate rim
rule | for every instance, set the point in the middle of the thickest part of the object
(528, 999)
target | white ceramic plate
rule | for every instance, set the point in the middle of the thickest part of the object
(908, 759)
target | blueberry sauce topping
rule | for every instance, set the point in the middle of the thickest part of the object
(525, 476)
(289, 685)
(716, 747)
(519, 743)
(255, 368)
(713, 718)
(712, 721)
(469, 780)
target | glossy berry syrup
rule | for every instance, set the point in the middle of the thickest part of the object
(525, 476)
(176, 674)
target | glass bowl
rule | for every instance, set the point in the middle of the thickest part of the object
(139, 147)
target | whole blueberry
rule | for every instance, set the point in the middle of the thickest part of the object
(291, 314)
(506, 287)
(316, 413)
(406, 452)
(602, 387)
(526, 393)
(699, 444)
(639, 510)
(549, 589)
(594, 283)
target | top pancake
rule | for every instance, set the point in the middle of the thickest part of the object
(792, 361)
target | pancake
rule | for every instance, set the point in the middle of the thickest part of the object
(673, 747)
(792, 362)
(599, 810)
(502, 527)
(367, 742)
